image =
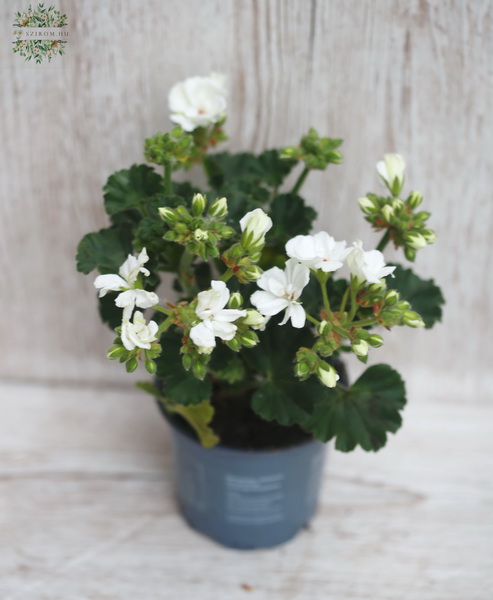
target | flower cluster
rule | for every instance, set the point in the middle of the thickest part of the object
(398, 218)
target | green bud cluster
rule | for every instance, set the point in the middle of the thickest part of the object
(315, 151)
(242, 263)
(308, 363)
(174, 148)
(406, 227)
(198, 229)
(131, 358)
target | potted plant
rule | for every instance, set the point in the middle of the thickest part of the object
(247, 356)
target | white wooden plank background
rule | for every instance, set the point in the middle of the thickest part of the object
(87, 510)
(410, 76)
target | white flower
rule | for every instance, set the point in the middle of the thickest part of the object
(319, 251)
(216, 321)
(391, 170)
(125, 282)
(138, 334)
(254, 225)
(198, 101)
(281, 291)
(367, 266)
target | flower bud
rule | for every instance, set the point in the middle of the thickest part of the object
(181, 228)
(323, 327)
(200, 235)
(219, 208)
(227, 232)
(182, 212)
(391, 170)
(412, 319)
(234, 344)
(375, 340)
(168, 214)
(254, 319)
(131, 364)
(199, 369)
(414, 200)
(235, 300)
(187, 361)
(170, 236)
(151, 366)
(391, 297)
(252, 273)
(387, 212)
(360, 348)
(422, 216)
(397, 204)
(116, 352)
(409, 253)
(302, 370)
(254, 225)
(249, 339)
(327, 375)
(429, 235)
(198, 204)
(367, 205)
(415, 241)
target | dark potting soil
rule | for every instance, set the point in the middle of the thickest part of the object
(238, 426)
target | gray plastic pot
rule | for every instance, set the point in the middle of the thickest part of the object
(247, 499)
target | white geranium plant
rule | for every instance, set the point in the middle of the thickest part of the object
(264, 307)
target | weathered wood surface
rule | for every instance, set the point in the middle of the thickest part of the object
(87, 510)
(414, 77)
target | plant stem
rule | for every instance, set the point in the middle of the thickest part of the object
(354, 306)
(364, 322)
(164, 325)
(163, 310)
(344, 301)
(384, 241)
(312, 320)
(226, 275)
(322, 279)
(300, 181)
(168, 188)
(184, 273)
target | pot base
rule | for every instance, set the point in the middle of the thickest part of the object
(247, 499)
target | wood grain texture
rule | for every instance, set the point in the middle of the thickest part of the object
(87, 510)
(414, 77)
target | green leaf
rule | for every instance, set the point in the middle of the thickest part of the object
(198, 416)
(131, 188)
(104, 250)
(180, 386)
(288, 401)
(425, 296)
(291, 216)
(266, 168)
(363, 414)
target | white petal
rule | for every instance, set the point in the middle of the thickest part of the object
(202, 336)
(125, 299)
(228, 315)
(298, 275)
(268, 304)
(225, 331)
(145, 299)
(274, 281)
(296, 313)
(109, 283)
